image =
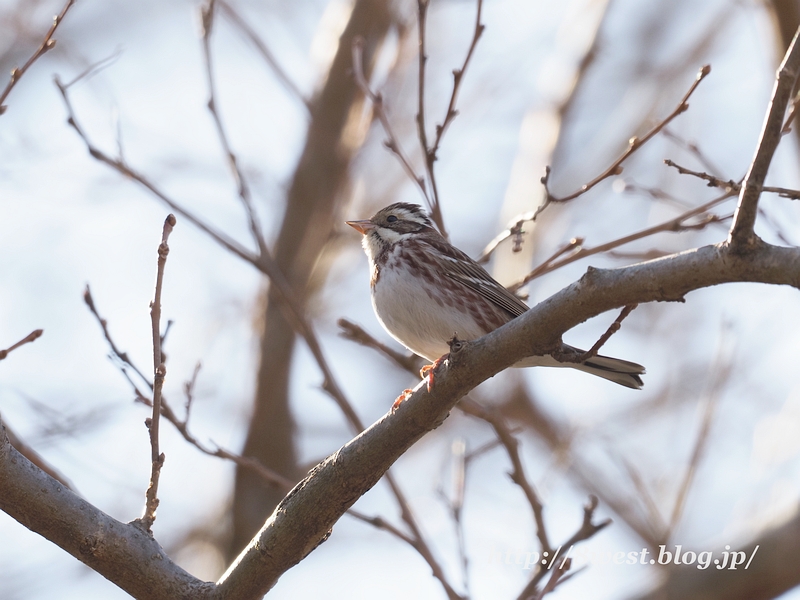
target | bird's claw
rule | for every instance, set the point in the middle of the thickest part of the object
(406, 393)
(428, 371)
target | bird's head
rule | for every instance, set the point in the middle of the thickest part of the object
(390, 225)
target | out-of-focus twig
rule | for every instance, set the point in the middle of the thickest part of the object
(720, 375)
(35, 457)
(517, 474)
(380, 111)
(31, 337)
(47, 44)
(264, 50)
(355, 333)
(207, 13)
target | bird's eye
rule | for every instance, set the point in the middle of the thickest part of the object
(391, 219)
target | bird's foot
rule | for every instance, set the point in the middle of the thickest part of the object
(406, 393)
(428, 371)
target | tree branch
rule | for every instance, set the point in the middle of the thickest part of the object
(47, 44)
(31, 337)
(633, 145)
(307, 514)
(742, 235)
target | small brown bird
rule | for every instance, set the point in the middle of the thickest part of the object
(424, 290)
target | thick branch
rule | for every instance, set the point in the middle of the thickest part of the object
(302, 521)
(305, 517)
(120, 552)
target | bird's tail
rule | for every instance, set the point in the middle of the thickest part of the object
(617, 370)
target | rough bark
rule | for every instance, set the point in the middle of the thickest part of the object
(305, 517)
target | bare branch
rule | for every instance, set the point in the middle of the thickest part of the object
(730, 184)
(612, 329)
(378, 107)
(517, 474)
(31, 337)
(633, 145)
(265, 52)
(561, 561)
(207, 12)
(673, 225)
(430, 152)
(742, 236)
(355, 333)
(47, 44)
(264, 263)
(119, 165)
(160, 370)
(458, 76)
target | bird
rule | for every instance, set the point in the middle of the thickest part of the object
(425, 290)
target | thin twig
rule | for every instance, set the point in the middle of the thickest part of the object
(123, 356)
(730, 184)
(673, 225)
(160, 370)
(592, 352)
(721, 373)
(31, 337)
(555, 578)
(47, 44)
(517, 474)
(291, 307)
(265, 52)
(458, 76)
(587, 530)
(430, 152)
(380, 111)
(420, 545)
(355, 333)
(95, 68)
(742, 236)
(690, 147)
(454, 499)
(422, 19)
(655, 521)
(381, 523)
(513, 230)
(188, 390)
(182, 426)
(119, 165)
(207, 13)
(633, 145)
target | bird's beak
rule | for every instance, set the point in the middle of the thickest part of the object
(363, 227)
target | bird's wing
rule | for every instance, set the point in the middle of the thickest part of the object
(460, 267)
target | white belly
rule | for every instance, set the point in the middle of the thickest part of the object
(414, 318)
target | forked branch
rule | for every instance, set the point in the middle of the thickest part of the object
(633, 145)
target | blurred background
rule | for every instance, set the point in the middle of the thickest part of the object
(706, 456)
